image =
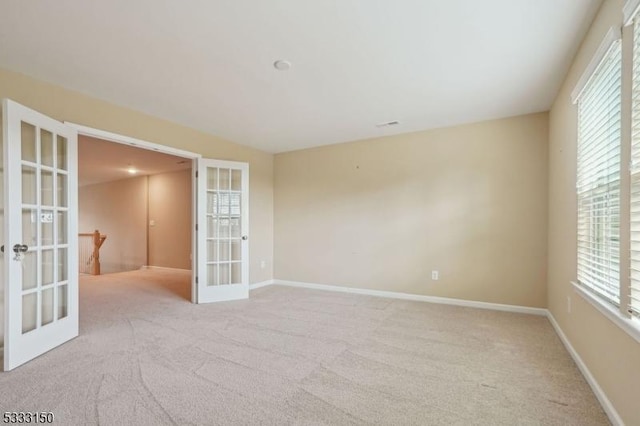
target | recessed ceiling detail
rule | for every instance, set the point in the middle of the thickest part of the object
(202, 64)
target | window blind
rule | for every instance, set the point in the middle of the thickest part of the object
(598, 179)
(634, 301)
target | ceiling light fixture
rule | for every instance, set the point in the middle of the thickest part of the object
(132, 171)
(282, 65)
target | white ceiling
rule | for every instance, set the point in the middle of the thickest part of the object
(208, 64)
(101, 161)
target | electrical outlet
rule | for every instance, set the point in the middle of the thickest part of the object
(435, 275)
(263, 264)
(568, 304)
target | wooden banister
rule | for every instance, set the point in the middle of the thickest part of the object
(94, 259)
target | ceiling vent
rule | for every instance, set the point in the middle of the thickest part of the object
(388, 123)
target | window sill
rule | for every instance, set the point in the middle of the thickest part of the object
(630, 325)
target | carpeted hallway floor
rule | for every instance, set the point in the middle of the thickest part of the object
(147, 356)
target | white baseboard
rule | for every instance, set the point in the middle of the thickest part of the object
(165, 268)
(416, 297)
(613, 415)
(260, 284)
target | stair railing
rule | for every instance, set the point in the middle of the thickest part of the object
(89, 250)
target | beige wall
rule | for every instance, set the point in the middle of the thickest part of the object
(611, 355)
(1, 233)
(125, 209)
(170, 220)
(68, 105)
(117, 209)
(468, 201)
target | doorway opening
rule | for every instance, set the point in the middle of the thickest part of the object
(135, 210)
(137, 198)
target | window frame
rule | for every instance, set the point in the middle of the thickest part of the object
(599, 174)
(617, 313)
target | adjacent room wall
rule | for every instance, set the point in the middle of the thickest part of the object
(147, 220)
(612, 356)
(117, 209)
(170, 220)
(468, 201)
(64, 104)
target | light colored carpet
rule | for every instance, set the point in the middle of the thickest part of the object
(146, 356)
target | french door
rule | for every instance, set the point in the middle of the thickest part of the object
(223, 220)
(40, 233)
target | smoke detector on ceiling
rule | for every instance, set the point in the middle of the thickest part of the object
(282, 65)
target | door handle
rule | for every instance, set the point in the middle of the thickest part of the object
(20, 248)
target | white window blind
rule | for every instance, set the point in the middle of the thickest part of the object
(598, 180)
(634, 301)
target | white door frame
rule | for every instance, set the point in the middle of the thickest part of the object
(151, 146)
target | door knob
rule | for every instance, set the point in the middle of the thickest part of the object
(20, 248)
(244, 237)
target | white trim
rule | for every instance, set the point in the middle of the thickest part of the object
(194, 231)
(165, 268)
(417, 297)
(261, 284)
(127, 140)
(612, 35)
(630, 10)
(608, 407)
(630, 325)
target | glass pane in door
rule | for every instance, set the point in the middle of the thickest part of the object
(63, 301)
(29, 312)
(61, 150)
(47, 267)
(29, 185)
(28, 137)
(47, 306)
(236, 180)
(46, 147)
(224, 232)
(61, 193)
(29, 271)
(45, 189)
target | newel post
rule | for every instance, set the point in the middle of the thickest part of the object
(96, 252)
